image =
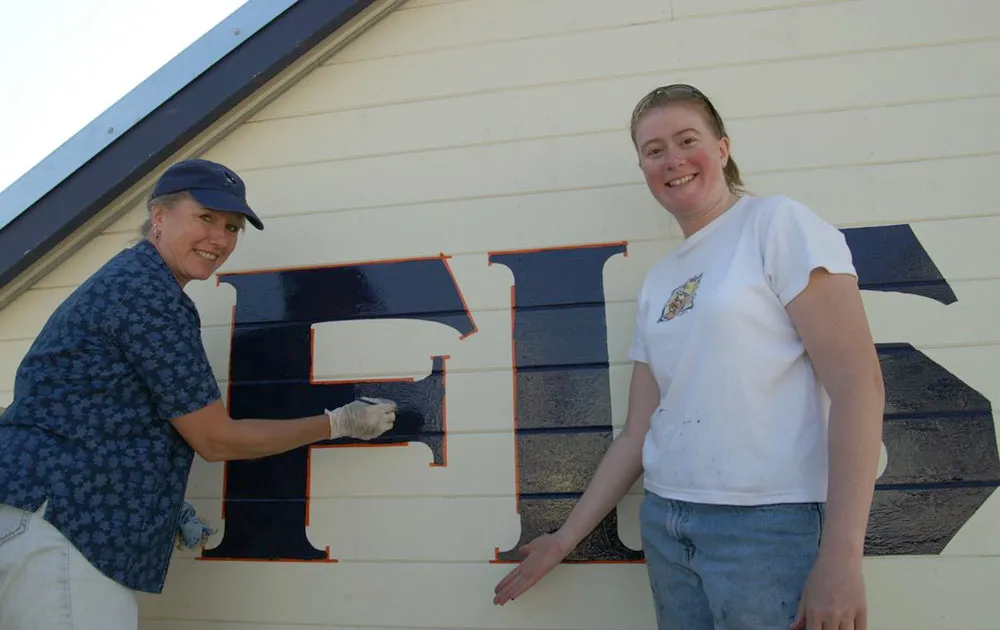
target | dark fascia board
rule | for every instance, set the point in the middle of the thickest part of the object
(43, 223)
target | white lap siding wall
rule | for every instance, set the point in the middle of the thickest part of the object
(467, 128)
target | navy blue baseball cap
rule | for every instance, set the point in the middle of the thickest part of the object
(213, 185)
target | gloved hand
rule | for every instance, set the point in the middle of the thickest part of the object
(363, 419)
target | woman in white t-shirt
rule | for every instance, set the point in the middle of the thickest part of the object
(755, 406)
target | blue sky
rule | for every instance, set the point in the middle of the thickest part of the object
(66, 61)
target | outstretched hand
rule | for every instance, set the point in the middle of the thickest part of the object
(540, 556)
(363, 419)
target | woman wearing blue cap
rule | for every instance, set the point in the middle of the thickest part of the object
(110, 404)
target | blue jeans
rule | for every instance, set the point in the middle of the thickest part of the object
(722, 567)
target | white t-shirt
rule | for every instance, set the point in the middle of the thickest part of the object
(742, 418)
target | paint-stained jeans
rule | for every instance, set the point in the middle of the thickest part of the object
(45, 584)
(717, 567)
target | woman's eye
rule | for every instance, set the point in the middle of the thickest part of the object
(233, 228)
(207, 218)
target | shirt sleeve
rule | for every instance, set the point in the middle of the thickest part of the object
(637, 350)
(160, 337)
(796, 242)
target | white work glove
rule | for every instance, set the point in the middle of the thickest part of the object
(363, 419)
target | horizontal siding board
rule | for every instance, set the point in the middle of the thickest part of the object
(905, 594)
(789, 26)
(608, 159)
(884, 135)
(420, 4)
(894, 318)
(699, 8)
(469, 529)
(961, 247)
(889, 193)
(537, 113)
(846, 195)
(974, 365)
(671, 50)
(436, 591)
(130, 221)
(466, 391)
(478, 465)
(487, 430)
(437, 529)
(405, 347)
(477, 22)
(852, 196)
(487, 21)
(848, 82)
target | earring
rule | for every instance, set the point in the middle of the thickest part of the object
(156, 232)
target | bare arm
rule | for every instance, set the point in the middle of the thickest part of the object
(217, 437)
(830, 318)
(621, 465)
(619, 469)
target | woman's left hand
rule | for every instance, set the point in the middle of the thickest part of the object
(834, 596)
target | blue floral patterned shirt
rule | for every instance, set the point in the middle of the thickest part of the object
(88, 429)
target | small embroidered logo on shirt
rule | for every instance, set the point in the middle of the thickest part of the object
(681, 300)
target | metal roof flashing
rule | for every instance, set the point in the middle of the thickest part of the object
(136, 105)
(184, 108)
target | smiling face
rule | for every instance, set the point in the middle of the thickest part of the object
(682, 160)
(194, 241)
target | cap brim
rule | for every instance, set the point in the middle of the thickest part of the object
(224, 202)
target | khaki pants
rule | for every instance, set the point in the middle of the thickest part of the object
(46, 584)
